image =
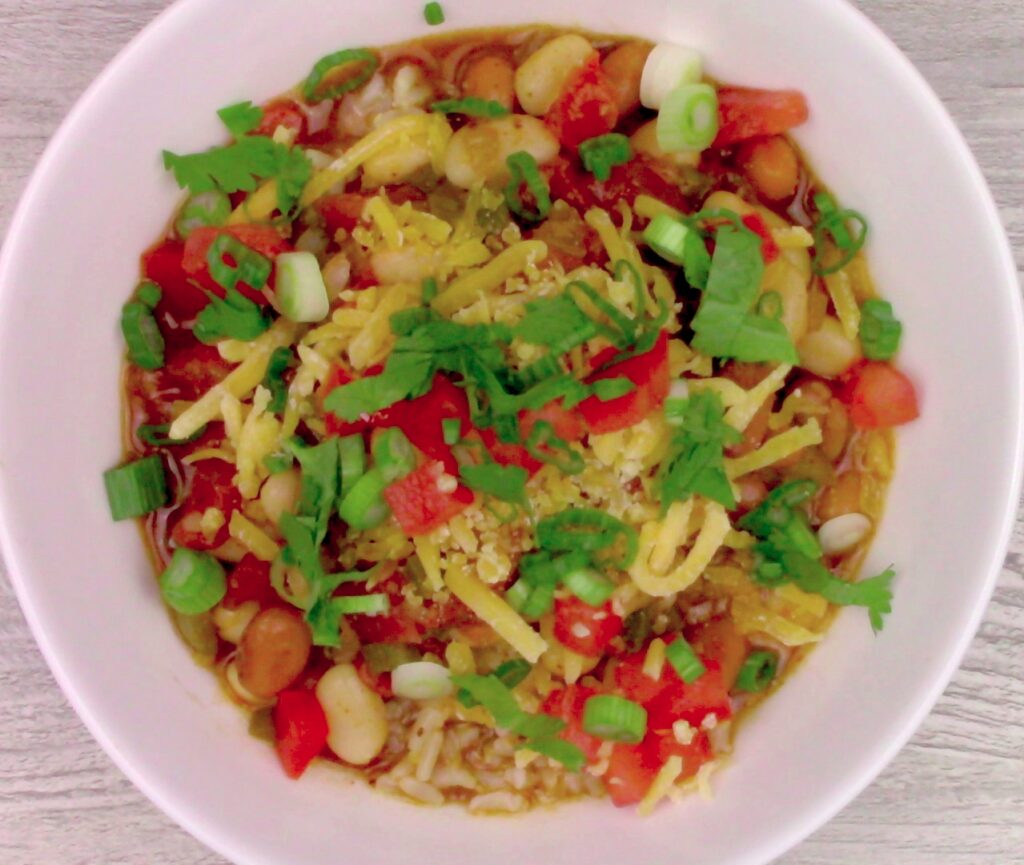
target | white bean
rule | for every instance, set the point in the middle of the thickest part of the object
(395, 164)
(280, 494)
(542, 77)
(231, 623)
(843, 533)
(645, 140)
(357, 723)
(337, 272)
(828, 351)
(476, 154)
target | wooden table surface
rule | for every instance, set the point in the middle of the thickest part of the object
(955, 795)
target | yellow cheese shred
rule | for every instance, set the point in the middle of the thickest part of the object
(429, 554)
(460, 658)
(239, 383)
(464, 290)
(493, 610)
(252, 537)
(654, 660)
(783, 445)
(845, 302)
(710, 538)
(742, 413)
(663, 782)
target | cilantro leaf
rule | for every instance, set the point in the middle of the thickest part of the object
(234, 316)
(280, 362)
(556, 322)
(506, 483)
(241, 118)
(321, 479)
(695, 463)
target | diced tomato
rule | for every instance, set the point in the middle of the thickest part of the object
(566, 425)
(640, 175)
(163, 264)
(879, 396)
(584, 629)
(586, 108)
(421, 501)
(341, 211)
(745, 113)
(691, 702)
(191, 371)
(249, 580)
(282, 112)
(300, 730)
(379, 682)
(648, 372)
(720, 640)
(261, 238)
(769, 248)
(632, 682)
(631, 771)
(212, 486)
(567, 704)
(694, 755)
(422, 420)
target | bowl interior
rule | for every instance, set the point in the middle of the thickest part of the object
(879, 137)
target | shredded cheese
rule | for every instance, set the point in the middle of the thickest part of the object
(429, 554)
(663, 782)
(847, 310)
(460, 658)
(742, 412)
(649, 207)
(493, 610)
(780, 447)
(672, 534)
(252, 537)
(464, 290)
(654, 660)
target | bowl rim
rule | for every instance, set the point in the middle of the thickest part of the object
(840, 796)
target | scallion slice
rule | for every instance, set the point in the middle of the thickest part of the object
(451, 430)
(148, 293)
(136, 488)
(393, 454)
(364, 605)
(363, 507)
(470, 106)
(364, 59)
(155, 435)
(433, 14)
(880, 330)
(603, 152)
(524, 170)
(667, 66)
(421, 680)
(688, 119)
(193, 582)
(758, 672)
(615, 718)
(210, 208)
(667, 236)
(142, 335)
(250, 267)
(301, 293)
(589, 586)
(684, 660)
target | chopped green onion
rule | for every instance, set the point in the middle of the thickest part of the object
(758, 672)
(470, 106)
(667, 66)
(603, 152)
(539, 726)
(617, 719)
(684, 660)
(332, 62)
(566, 753)
(148, 293)
(523, 168)
(210, 208)
(279, 462)
(433, 14)
(880, 330)
(393, 454)
(250, 267)
(538, 603)
(542, 444)
(517, 594)
(280, 361)
(589, 586)
(834, 223)
(543, 569)
(429, 289)
(193, 582)
(510, 674)
(300, 290)
(494, 695)
(451, 430)
(667, 236)
(142, 335)
(688, 118)
(363, 507)
(156, 436)
(136, 488)
(589, 530)
(505, 483)
(607, 389)
(421, 680)
(352, 460)
(384, 657)
(363, 605)
(235, 316)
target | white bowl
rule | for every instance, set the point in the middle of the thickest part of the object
(99, 196)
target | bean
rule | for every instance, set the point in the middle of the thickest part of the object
(232, 622)
(624, 66)
(273, 652)
(841, 497)
(772, 167)
(828, 352)
(476, 154)
(280, 494)
(835, 430)
(491, 77)
(645, 140)
(357, 724)
(542, 77)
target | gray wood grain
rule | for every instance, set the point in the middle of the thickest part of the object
(955, 794)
